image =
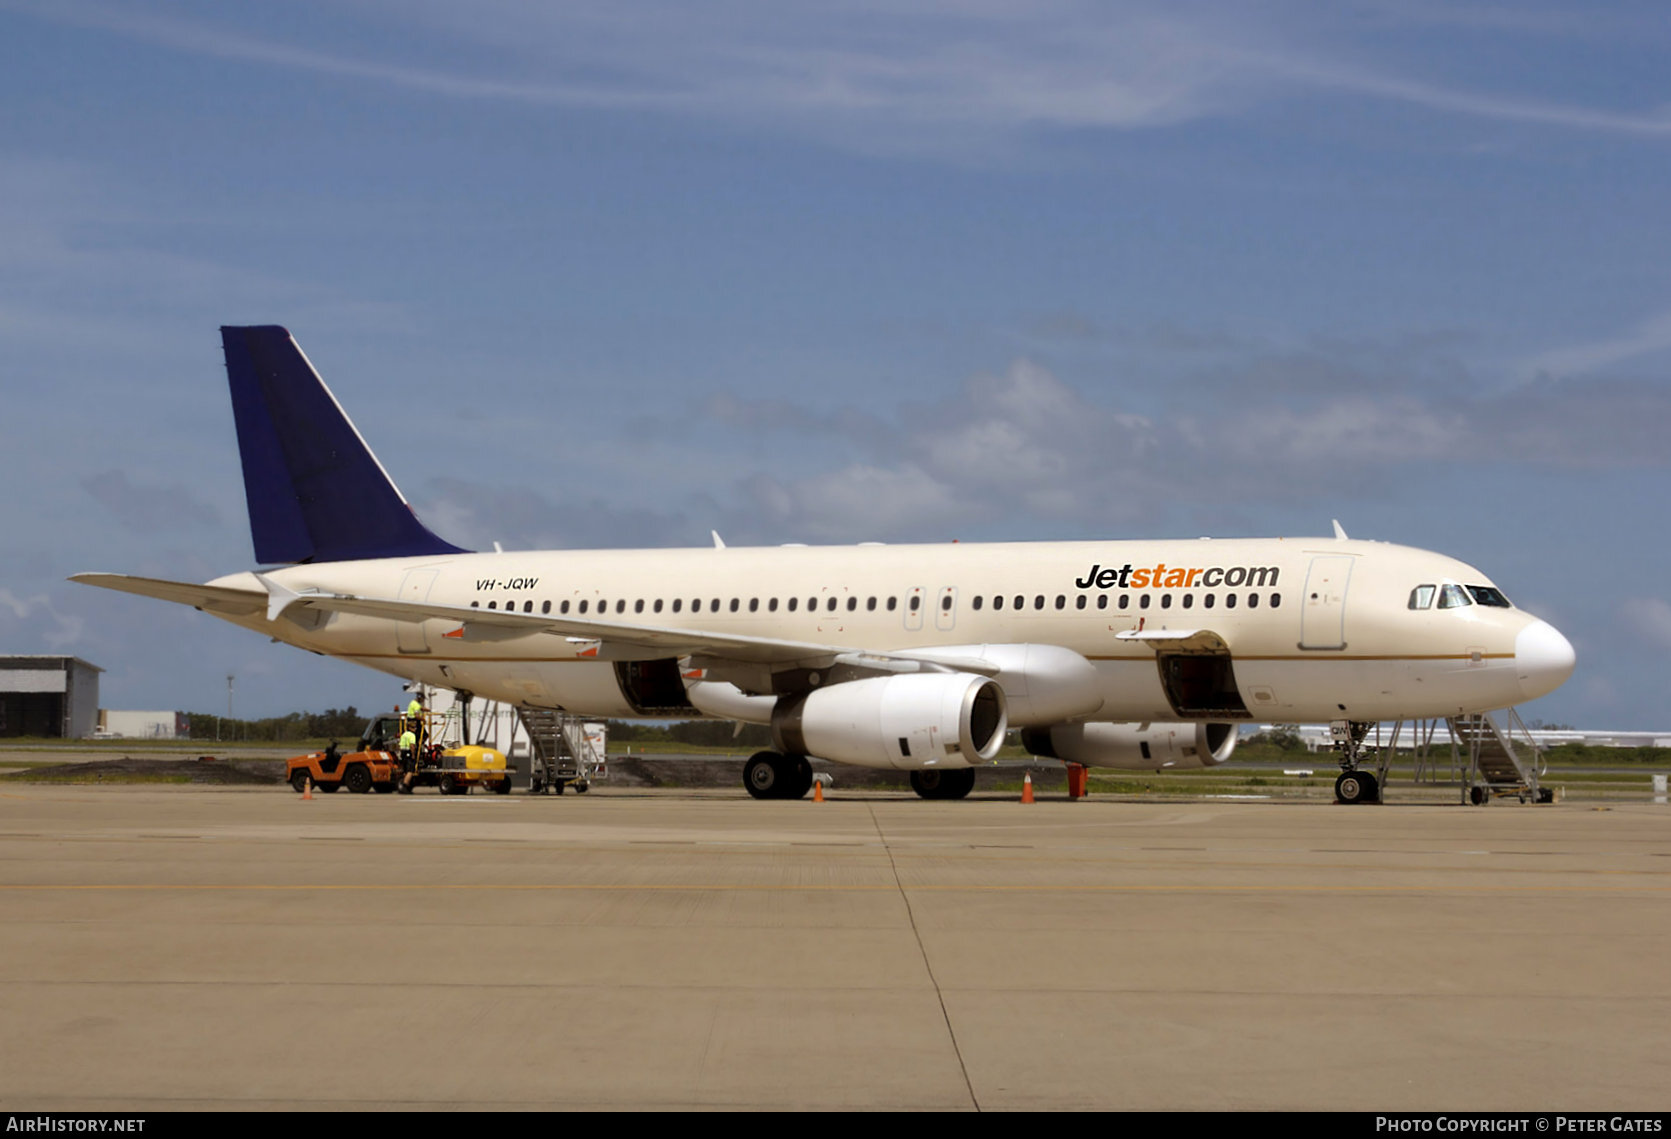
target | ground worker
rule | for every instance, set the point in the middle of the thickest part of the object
(408, 759)
(411, 739)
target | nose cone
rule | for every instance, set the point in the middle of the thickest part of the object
(1543, 659)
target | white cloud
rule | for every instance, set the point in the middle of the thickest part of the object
(897, 76)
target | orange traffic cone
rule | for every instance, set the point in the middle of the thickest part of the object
(817, 790)
(1027, 787)
(307, 790)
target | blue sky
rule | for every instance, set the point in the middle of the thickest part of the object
(832, 273)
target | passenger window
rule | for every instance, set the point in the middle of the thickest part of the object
(658, 605)
(1453, 597)
(1276, 600)
(1125, 601)
(946, 603)
(771, 606)
(998, 601)
(916, 602)
(1079, 602)
(811, 604)
(1166, 601)
(1207, 601)
(1143, 601)
(713, 605)
(621, 606)
(733, 605)
(1061, 602)
(564, 607)
(528, 606)
(475, 605)
(1020, 601)
(754, 605)
(1038, 602)
(582, 606)
(794, 603)
(870, 605)
(893, 603)
(1229, 600)
(493, 605)
(545, 607)
(1421, 597)
(1102, 601)
(830, 605)
(1189, 601)
(1253, 601)
(976, 602)
(678, 603)
(638, 606)
(852, 604)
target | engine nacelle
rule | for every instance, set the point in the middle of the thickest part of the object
(1134, 747)
(909, 722)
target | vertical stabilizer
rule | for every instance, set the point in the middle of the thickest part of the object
(316, 493)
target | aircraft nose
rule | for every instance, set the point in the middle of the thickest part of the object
(1543, 659)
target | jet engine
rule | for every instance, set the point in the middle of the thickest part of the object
(1134, 747)
(910, 722)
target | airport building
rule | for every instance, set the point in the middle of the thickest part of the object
(48, 696)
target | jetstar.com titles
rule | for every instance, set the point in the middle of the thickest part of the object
(1163, 576)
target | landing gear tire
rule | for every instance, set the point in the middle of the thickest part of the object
(1479, 795)
(763, 775)
(950, 783)
(357, 779)
(1352, 787)
(799, 780)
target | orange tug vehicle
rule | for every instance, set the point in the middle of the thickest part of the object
(376, 764)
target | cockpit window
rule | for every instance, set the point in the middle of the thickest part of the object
(1421, 597)
(1489, 595)
(1453, 597)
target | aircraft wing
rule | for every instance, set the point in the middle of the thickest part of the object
(620, 638)
(234, 602)
(614, 638)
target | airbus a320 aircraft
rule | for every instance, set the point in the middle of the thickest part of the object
(1120, 654)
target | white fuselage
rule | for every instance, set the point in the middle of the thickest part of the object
(1318, 629)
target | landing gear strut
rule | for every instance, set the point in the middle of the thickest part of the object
(1355, 785)
(768, 775)
(943, 783)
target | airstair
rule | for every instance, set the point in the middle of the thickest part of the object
(563, 754)
(1502, 758)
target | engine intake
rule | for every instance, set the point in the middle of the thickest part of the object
(908, 722)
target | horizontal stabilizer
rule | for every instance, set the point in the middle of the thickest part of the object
(215, 598)
(316, 493)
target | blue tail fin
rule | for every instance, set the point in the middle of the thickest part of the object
(316, 492)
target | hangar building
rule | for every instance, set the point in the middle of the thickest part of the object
(48, 696)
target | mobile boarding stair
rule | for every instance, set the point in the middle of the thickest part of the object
(1502, 758)
(562, 755)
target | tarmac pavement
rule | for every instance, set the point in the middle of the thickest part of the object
(184, 947)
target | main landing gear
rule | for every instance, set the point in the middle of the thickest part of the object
(943, 783)
(768, 775)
